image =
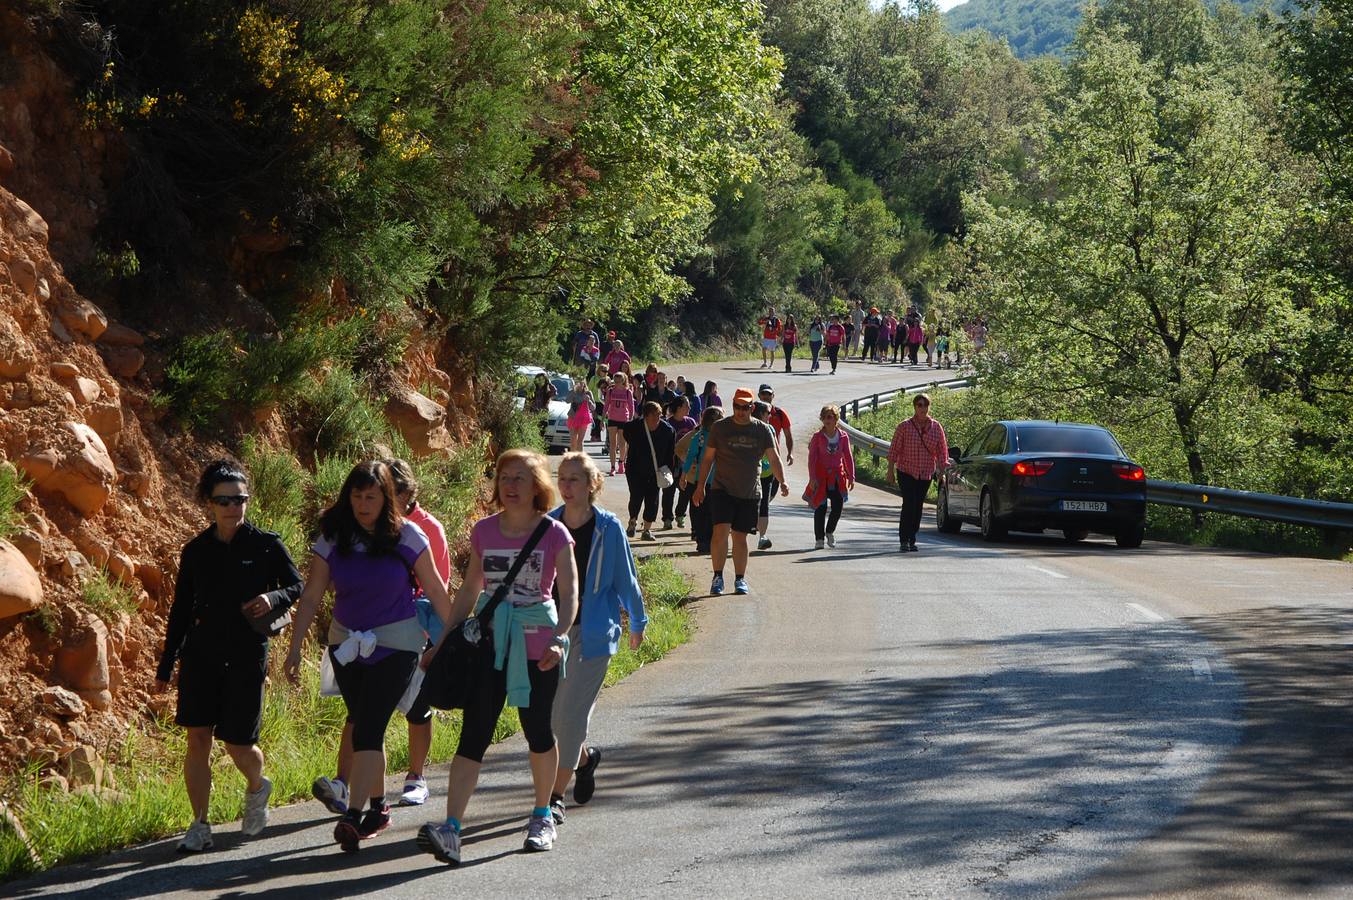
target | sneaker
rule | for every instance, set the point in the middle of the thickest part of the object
(197, 839)
(647, 536)
(681, 521)
(540, 834)
(557, 809)
(740, 586)
(441, 840)
(621, 470)
(415, 791)
(666, 524)
(256, 810)
(818, 545)
(763, 544)
(633, 526)
(585, 776)
(374, 821)
(716, 586)
(346, 832)
(332, 792)
(911, 547)
(831, 540)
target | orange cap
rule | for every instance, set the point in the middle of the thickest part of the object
(743, 395)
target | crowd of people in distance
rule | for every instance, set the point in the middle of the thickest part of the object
(869, 335)
(550, 584)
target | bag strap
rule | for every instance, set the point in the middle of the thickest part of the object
(486, 614)
(652, 451)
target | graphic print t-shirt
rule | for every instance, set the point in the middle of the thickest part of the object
(737, 456)
(534, 582)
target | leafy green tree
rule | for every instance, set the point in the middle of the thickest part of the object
(1144, 285)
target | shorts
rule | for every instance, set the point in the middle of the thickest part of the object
(769, 343)
(615, 423)
(739, 512)
(582, 418)
(223, 694)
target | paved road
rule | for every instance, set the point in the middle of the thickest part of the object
(1021, 719)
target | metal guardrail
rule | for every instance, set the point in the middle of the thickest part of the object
(1329, 516)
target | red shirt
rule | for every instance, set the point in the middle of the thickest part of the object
(918, 450)
(836, 335)
(778, 420)
(770, 327)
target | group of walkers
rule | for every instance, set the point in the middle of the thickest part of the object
(869, 335)
(563, 574)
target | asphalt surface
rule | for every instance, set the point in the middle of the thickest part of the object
(1021, 719)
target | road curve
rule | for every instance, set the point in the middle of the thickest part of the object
(1018, 719)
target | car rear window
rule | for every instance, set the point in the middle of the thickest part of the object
(1055, 439)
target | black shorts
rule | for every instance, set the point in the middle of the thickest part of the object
(615, 423)
(741, 513)
(223, 693)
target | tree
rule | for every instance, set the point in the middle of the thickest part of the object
(1144, 283)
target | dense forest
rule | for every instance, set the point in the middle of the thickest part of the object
(1156, 227)
(1037, 27)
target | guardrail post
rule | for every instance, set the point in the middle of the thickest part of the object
(876, 403)
(856, 404)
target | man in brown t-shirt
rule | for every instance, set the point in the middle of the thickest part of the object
(735, 448)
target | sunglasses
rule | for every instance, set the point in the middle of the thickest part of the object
(742, 407)
(224, 500)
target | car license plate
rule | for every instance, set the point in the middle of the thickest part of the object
(1084, 506)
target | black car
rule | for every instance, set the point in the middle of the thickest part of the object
(1032, 476)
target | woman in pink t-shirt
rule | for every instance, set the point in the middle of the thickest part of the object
(617, 359)
(619, 412)
(528, 624)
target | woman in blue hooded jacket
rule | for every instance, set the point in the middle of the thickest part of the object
(607, 581)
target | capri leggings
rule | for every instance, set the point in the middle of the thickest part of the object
(371, 691)
(486, 704)
(768, 488)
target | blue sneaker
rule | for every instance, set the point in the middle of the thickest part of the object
(740, 586)
(716, 586)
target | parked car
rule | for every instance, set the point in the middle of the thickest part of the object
(1033, 476)
(555, 425)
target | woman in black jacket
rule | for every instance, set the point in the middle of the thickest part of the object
(231, 577)
(651, 442)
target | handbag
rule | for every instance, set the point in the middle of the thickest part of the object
(273, 622)
(665, 477)
(454, 663)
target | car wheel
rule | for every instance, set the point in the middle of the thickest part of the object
(1130, 537)
(993, 529)
(943, 521)
(1075, 535)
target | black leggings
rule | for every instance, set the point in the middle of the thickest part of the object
(682, 497)
(486, 704)
(644, 493)
(768, 488)
(789, 354)
(822, 526)
(833, 350)
(702, 527)
(371, 691)
(868, 350)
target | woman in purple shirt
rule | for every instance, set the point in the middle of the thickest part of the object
(369, 554)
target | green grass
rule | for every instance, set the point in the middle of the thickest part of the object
(299, 737)
(107, 596)
(13, 488)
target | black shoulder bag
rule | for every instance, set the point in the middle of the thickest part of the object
(462, 653)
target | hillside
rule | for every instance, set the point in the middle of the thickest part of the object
(1038, 27)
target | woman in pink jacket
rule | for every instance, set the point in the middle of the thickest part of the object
(831, 475)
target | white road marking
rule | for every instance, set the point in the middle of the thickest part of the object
(1149, 613)
(1047, 571)
(1201, 669)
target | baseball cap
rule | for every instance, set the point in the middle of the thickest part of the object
(765, 389)
(742, 395)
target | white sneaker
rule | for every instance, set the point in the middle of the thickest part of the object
(415, 791)
(540, 834)
(763, 544)
(332, 792)
(818, 545)
(197, 839)
(831, 540)
(256, 810)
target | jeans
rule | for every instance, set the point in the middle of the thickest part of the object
(913, 496)
(869, 351)
(822, 526)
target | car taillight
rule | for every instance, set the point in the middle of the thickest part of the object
(1129, 472)
(1032, 467)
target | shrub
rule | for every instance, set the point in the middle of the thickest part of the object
(199, 380)
(107, 596)
(278, 485)
(340, 417)
(13, 488)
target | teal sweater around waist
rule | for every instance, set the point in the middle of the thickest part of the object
(509, 643)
